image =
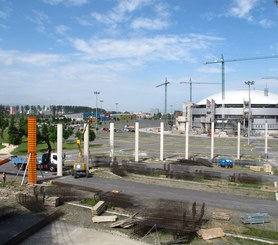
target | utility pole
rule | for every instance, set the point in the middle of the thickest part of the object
(165, 100)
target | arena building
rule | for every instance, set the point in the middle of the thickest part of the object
(263, 109)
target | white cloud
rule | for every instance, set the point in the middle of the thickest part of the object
(40, 19)
(62, 29)
(34, 59)
(242, 9)
(159, 48)
(149, 24)
(266, 23)
(119, 13)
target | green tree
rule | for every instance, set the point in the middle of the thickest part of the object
(4, 122)
(14, 136)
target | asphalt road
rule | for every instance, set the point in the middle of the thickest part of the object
(213, 200)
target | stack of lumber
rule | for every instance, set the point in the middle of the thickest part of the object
(52, 201)
(98, 208)
(220, 214)
(213, 233)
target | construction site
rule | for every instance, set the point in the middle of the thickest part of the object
(149, 186)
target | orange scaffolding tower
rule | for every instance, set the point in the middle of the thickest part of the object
(32, 150)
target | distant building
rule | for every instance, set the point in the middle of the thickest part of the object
(264, 108)
(13, 110)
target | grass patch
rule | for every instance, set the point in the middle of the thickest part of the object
(251, 231)
(249, 185)
(89, 201)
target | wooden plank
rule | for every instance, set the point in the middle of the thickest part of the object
(99, 219)
(213, 233)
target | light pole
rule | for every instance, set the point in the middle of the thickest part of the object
(249, 83)
(116, 107)
(96, 93)
(101, 101)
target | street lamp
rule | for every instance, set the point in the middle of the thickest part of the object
(249, 83)
(116, 107)
(101, 101)
(96, 93)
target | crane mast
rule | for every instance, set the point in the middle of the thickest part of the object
(165, 99)
(222, 61)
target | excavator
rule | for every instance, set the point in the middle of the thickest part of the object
(79, 167)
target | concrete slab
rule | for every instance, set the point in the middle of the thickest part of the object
(60, 232)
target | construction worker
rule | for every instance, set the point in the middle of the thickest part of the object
(4, 177)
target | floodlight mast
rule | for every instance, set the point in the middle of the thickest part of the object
(190, 83)
(165, 100)
(222, 61)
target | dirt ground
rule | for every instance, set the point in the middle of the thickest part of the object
(76, 226)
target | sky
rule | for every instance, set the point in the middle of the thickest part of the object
(60, 52)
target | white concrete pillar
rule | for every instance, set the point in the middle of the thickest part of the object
(59, 149)
(238, 140)
(112, 142)
(186, 139)
(161, 141)
(266, 142)
(212, 141)
(86, 146)
(136, 141)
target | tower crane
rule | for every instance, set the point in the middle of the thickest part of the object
(190, 82)
(165, 100)
(222, 61)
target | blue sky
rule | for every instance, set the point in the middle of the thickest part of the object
(58, 52)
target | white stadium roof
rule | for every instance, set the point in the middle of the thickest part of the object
(238, 96)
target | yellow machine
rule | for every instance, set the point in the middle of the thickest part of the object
(80, 168)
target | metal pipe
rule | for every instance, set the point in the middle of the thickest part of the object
(59, 149)
(136, 141)
(266, 143)
(212, 141)
(161, 141)
(238, 140)
(112, 142)
(86, 147)
(186, 139)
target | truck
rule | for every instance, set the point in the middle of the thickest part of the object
(226, 163)
(42, 164)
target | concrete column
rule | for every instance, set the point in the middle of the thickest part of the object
(59, 149)
(238, 141)
(112, 142)
(136, 141)
(161, 141)
(86, 147)
(186, 139)
(212, 141)
(266, 142)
